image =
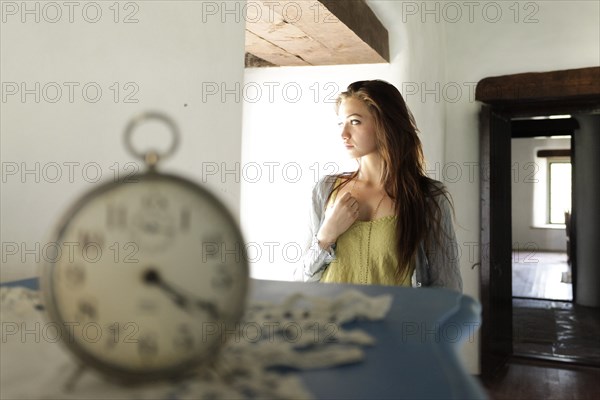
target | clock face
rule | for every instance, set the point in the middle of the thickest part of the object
(151, 277)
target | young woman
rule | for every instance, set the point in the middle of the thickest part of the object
(386, 223)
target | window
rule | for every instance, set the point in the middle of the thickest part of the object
(559, 189)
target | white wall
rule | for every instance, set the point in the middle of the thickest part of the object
(529, 196)
(164, 58)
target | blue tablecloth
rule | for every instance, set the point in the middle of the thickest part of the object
(416, 354)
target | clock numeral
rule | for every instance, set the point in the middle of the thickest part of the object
(184, 339)
(116, 217)
(155, 201)
(147, 345)
(212, 247)
(222, 279)
(75, 275)
(86, 239)
(87, 310)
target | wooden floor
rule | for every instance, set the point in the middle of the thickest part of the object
(532, 379)
(539, 275)
(560, 330)
(557, 328)
(547, 324)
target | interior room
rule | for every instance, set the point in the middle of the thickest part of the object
(252, 88)
(548, 321)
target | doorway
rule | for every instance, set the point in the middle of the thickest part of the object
(547, 323)
(513, 102)
(542, 197)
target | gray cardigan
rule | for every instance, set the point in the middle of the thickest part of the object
(438, 267)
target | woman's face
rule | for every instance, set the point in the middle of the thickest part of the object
(357, 127)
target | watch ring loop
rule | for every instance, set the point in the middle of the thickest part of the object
(151, 157)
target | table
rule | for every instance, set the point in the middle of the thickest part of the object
(416, 354)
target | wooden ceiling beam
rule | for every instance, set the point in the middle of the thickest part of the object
(361, 20)
(322, 32)
(270, 52)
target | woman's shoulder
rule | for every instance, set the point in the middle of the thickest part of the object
(326, 182)
(434, 188)
(439, 192)
(325, 185)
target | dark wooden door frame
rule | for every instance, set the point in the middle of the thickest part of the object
(574, 91)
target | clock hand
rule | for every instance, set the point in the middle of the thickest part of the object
(152, 277)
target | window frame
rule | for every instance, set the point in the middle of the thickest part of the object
(549, 162)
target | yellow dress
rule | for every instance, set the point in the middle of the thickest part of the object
(366, 254)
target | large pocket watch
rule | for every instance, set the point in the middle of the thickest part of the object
(153, 273)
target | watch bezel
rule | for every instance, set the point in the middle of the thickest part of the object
(53, 314)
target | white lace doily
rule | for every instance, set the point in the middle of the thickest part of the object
(300, 333)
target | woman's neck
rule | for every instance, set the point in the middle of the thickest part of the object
(370, 171)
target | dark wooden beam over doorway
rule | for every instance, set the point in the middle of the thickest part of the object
(581, 84)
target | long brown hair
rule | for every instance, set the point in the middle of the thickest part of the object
(404, 177)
